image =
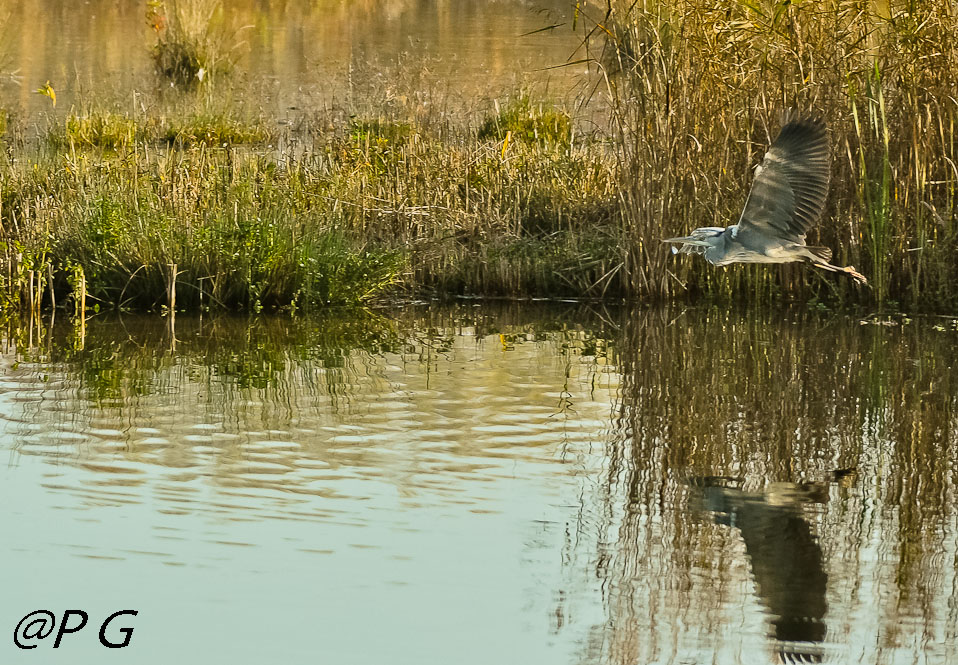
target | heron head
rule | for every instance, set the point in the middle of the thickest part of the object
(698, 242)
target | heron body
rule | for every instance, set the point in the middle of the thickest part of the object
(787, 198)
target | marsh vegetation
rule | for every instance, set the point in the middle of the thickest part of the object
(531, 195)
(697, 90)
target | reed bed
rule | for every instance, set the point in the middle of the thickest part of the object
(236, 215)
(697, 90)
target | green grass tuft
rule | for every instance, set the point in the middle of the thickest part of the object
(215, 129)
(110, 131)
(525, 120)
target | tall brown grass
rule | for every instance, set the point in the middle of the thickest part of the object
(697, 89)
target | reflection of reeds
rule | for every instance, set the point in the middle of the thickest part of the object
(697, 89)
(710, 392)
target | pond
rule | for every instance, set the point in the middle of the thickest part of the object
(292, 57)
(512, 482)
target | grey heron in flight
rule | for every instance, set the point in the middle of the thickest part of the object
(787, 197)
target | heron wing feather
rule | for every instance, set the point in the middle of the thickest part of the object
(790, 186)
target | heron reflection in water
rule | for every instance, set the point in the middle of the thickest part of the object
(786, 199)
(785, 557)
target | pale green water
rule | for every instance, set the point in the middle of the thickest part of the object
(265, 492)
(486, 484)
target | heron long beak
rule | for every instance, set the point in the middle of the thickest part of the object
(687, 240)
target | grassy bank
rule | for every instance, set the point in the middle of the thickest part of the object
(257, 218)
(515, 199)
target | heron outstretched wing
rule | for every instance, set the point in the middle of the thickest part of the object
(791, 183)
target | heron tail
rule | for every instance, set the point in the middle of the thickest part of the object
(824, 253)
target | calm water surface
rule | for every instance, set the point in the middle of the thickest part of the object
(475, 484)
(293, 57)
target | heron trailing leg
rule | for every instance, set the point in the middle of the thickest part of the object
(848, 270)
(787, 197)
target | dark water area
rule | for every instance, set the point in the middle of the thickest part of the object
(511, 482)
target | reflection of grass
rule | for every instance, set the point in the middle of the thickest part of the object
(126, 356)
(119, 358)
